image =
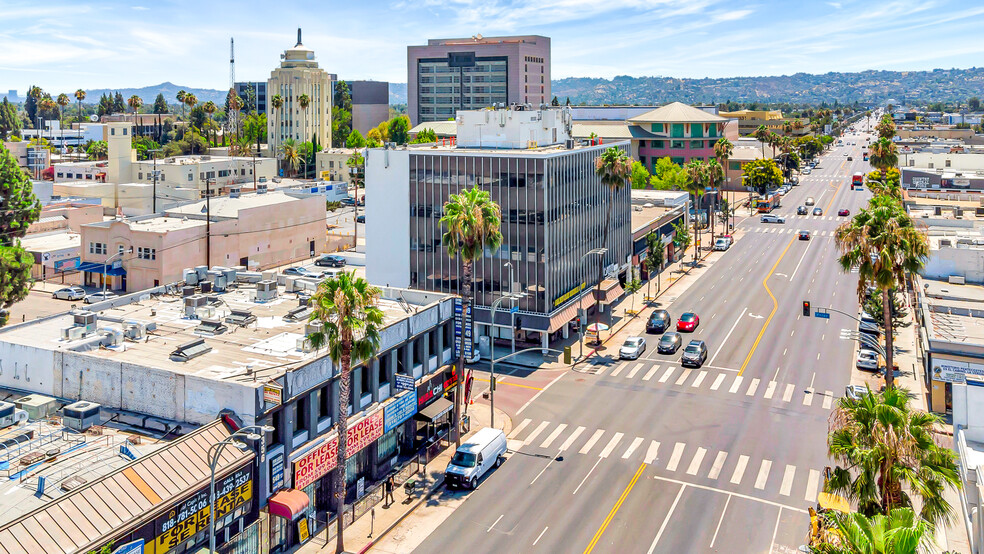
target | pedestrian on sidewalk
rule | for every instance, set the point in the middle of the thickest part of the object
(388, 486)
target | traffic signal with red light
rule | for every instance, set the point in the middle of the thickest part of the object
(806, 308)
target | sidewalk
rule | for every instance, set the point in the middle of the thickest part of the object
(399, 523)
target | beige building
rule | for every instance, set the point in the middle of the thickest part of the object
(299, 74)
(332, 164)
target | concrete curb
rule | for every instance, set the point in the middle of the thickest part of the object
(406, 514)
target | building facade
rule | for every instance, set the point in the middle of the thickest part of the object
(447, 75)
(370, 104)
(253, 95)
(297, 75)
(679, 132)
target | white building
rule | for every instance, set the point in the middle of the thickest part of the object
(75, 137)
(299, 74)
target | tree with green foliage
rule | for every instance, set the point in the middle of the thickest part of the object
(62, 102)
(289, 156)
(425, 136)
(97, 150)
(355, 140)
(681, 238)
(341, 114)
(399, 129)
(883, 155)
(180, 96)
(119, 104)
(640, 176)
(10, 124)
(160, 104)
(898, 532)
(632, 286)
(79, 97)
(255, 129)
(190, 143)
(762, 135)
(655, 258)
(20, 208)
(900, 316)
(668, 175)
(698, 179)
(886, 127)
(761, 176)
(34, 96)
(209, 108)
(143, 146)
(614, 168)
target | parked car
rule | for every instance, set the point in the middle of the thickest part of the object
(483, 451)
(802, 210)
(855, 392)
(361, 218)
(810, 201)
(348, 201)
(669, 343)
(688, 322)
(694, 354)
(301, 272)
(804, 235)
(99, 297)
(330, 260)
(867, 360)
(806, 171)
(722, 243)
(771, 218)
(632, 348)
(817, 211)
(843, 212)
(69, 293)
(659, 321)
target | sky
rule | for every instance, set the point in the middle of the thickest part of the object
(64, 45)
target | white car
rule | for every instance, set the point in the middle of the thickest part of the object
(867, 360)
(855, 392)
(99, 297)
(806, 171)
(632, 348)
(69, 293)
(769, 218)
(722, 243)
(810, 201)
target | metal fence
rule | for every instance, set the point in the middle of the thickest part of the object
(254, 539)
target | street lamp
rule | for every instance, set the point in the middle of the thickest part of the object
(495, 306)
(600, 252)
(213, 460)
(512, 321)
(154, 201)
(106, 267)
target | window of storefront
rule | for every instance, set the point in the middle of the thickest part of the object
(357, 466)
(678, 144)
(388, 444)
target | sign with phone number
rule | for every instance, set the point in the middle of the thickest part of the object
(323, 458)
(182, 523)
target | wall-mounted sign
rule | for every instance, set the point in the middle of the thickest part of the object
(405, 382)
(399, 410)
(567, 295)
(315, 464)
(273, 395)
(920, 181)
(435, 387)
(191, 517)
(276, 473)
(462, 330)
(952, 371)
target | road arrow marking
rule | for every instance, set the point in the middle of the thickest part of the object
(756, 316)
(782, 274)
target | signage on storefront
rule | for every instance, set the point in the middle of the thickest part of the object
(404, 382)
(398, 411)
(315, 464)
(569, 294)
(435, 387)
(952, 371)
(276, 473)
(134, 547)
(191, 517)
(272, 394)
(302, 530)
(462, 330)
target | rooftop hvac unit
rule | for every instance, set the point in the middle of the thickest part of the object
(206, 286)
(189, 291)
(190, 276)
(945, 242)
(10, 415)
(304, 345)
(230, 274)
(312, 328)
(297, 314)
(221, 283)
(194, 302)
(189, 350)
(134, 330)
(72, 333)
(81, 415)
(269, 275)
(37, 406)
(205, 312)
(114, 337)
(266, 291)
(201, 270)
(85, 320)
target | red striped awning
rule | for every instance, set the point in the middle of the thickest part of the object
(289, 503)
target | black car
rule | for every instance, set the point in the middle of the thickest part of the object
(330, 260)
(659, 322)
(801, 210)
(694, 354)
(361, 218)
(669, 343)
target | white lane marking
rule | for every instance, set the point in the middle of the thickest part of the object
(632, 447)
(828, 398)
(611, 445)
(775, 531)
(619, 369)
(591, 442)
(752, 387)
(666, 520)
(739, 470)
(519, 428)
(813, 379)
(718, 528)
(634, 371)
(736, 384)
(536, 432)
(649, 374)
(811, 486)
(538, 393)
(727, 336)
(695, 463)
(788, 395)
(570, 440)
(787, 480)
(542, 471)
(808, 397)
(717, 465)
(666, 376)
(803, 257)
(770, 390)
(651, 452)
(699, 379)
(540, 535)
(717, 381)
(586, 476)
(494, 522)
(683, 376)
(553, 436)
(763, 474)
(675, 457)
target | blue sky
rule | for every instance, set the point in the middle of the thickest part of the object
(62, 45)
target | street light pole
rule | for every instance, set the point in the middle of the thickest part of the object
(213, 460)
(208, 221)
(154, 200)
(495, 307)
(512, 315)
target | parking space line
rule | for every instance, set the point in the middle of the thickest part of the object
(739, 470)
(675, 457)
(635, 444)
(717, 465)
(611, 445)
(752, 387)
(763, 474)
(736, 384)
(570, 440)
(787, 480)
(649, 374)
(651, 452)
(717, 381)
(695, 463)
(699, 379)
(591, 442)
(553, 436)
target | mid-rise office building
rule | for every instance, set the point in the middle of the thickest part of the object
(253, 94)
(554, 209)
(447, 75)
(370, 104)
(298, 75)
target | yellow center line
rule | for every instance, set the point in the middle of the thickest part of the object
(775, 307)
(615, 508)
(499, 382)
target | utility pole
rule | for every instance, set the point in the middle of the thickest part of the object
(208, 221)
(154, 201)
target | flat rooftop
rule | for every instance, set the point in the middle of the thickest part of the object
(644, 215)
(956, 312)
(544, 151)
(227, 206)
(47, 242)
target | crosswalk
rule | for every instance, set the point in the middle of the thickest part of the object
(716, 381)
(763, 474)
(788, 231)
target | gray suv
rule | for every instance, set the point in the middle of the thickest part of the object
(695, 354)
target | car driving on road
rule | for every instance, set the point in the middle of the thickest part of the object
(695, 354)
(817, 211)
(843, 212)
(632, 348)
(659, 321)
(688, 322)
(770, 218)
(669, 343)
(804, 235)
(802, 210)
(810, 201)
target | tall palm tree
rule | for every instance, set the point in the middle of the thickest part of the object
(347, 308)
(210, 109)
(614, 167)
(883, 155)
(191, 101)
(62, 102)
(882, 242)
(722, 151)
(277, 101)
(235, 104)
(181, 95)
(715, 179)
(290, 155)
(899, 532)
(470, 227)
(134, 102)
(762, 134)
(787, 128)
(887, 451)
(697, 178)
(80, 96)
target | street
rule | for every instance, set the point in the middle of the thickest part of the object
(646, 456)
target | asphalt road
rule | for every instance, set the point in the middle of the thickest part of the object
(644, 456)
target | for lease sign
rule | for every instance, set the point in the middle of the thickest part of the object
(321, 460)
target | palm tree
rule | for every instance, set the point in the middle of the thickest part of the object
(899, 532)
(654, 260)
(697, 178)
(470, 227)
(722, 151)
(787, 128)
(883, 155)
(210, 108)
(347, 308)
(797, 125)
(715, 178)
(181, 95)
(134, 102)
(290, 155)
(191, 101)
(762, 134)
(882, 242)
(887, 451)
(614, 167)
(235, 104)
(80, 96)
(62, 102)
(277, 101)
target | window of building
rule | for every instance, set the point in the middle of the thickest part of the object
(112, 131)
(140, 175)
(678, 144)
(60, 175)
(191, 177)
(88, 176)
(300, 414)
(696, 130)
(657, 143)
(97, 248)
(696, 144)
(146, 253)
(657, 127)
(324, 402)
(677, 130)
(947, 163)
(677, 160)
(734, 166)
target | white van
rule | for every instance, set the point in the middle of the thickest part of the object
(722, 243)
(478, 454)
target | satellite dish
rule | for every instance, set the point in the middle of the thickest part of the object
(93, 118)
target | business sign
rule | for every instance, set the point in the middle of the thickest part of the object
(569, 294)
(399, 410)
(302, 530)
(272, 394)
(191, 517)
(462, 330)
(315, 464)
(134, 547)
(276, 473)
(67, 264)
(435, 387)
(952, 371)
(405, 382)
(920, 181)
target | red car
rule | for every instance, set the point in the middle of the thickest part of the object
(843, 212)
(688, 322)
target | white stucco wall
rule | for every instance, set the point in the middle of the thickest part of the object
(965, 262)
(27, 368)
(388, 207)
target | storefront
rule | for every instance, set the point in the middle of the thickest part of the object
(942, 370)
(433, 419)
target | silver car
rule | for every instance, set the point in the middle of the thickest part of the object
(769, 218)
(69, 293)
(867, 360)
(632, 348)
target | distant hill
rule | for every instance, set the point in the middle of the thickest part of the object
(398, 93)
(148, 94)
(940, 85)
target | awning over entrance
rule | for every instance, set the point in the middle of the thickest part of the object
(610, 291)
(433, 412)
(95, 267)
(565, 315)
(289, 503)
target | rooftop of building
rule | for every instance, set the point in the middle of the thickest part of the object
(197, 159)
(677, 112)
(229, 206)
(441, 128)
(955, 311)
(48, 242)
(447, 147)
(753, 114)
(479, 39)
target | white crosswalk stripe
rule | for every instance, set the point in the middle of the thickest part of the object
(553, 436)
(619, 369)
(808, 397)
(787, 480)
(828, 398)
(717, 465)
(717, 382)
(666, 375)
(570, 440)
(651, 452)
(770, 390)
(695, 463)
(650, 373)
(632, 447)
(675, 456)
(591, 442)
(536, 432)
(683, 376)
(634, 371)
(763, 474)
(699, 379)
(811, 486)
(519, 428)
(611, 445)
(788, 395)
(739, 470)
(736, 384)
(751, 388)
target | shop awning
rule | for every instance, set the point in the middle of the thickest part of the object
(96, 267)
(569, 312)
(433, 412)
(610, 291)
(289, 503)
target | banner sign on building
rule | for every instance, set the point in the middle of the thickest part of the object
(272, 394)
(399, 410)
(276, 473)
(315, 464)
(462, 328)
(405, 382)
(952, 371)
(435, 387)
(191, 517)
(567, 295)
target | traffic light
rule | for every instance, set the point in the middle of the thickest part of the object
(806, 308)
(519, 323)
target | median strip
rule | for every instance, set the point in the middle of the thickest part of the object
(615, 508)
(775, 307)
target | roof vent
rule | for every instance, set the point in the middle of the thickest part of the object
(189, 350)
